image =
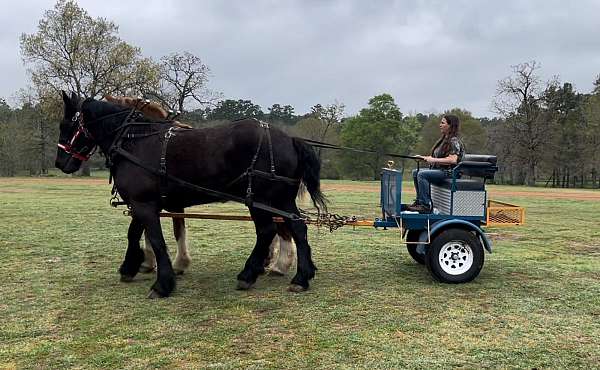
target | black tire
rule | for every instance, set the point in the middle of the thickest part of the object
(455, 256)
(413, 236)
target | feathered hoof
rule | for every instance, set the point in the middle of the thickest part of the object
(243, 285)
(295, 288)
(146, 269)
(154, 294)
(126, 279)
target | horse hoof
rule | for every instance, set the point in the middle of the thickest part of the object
(146, 269)
(296, 288)
(126, 279)
(178, 272)
(243, 285)
(154, 295)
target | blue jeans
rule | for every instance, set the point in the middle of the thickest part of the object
(422, 179)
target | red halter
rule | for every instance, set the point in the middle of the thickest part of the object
(86, 144)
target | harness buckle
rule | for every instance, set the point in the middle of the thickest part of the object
(249, 198)
(170, 133)
(76, 117)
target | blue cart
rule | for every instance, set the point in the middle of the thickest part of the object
(450, 241)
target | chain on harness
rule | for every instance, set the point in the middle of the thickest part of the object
(332, 221)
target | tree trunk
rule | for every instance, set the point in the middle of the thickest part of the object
(531, 174)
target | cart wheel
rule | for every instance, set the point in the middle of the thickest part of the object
(455, 256)
(413, 236)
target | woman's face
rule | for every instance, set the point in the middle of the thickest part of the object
(444, 126)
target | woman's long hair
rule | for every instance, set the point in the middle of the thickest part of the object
(444, 140)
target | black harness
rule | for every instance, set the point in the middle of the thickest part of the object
(165, 177)
(124, 132)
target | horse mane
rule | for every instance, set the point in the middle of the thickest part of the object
(148, 108)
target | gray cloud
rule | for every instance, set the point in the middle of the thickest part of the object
(430, 55)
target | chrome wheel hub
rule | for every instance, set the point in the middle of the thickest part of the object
(456, 257)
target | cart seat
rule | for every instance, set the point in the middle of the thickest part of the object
(477, 165)
(463, 184)
(482, 167)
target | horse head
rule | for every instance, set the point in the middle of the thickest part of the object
(79, 133)
(71, 143)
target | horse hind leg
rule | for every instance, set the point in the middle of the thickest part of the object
(305, 267)
(182, 259)
(149, 264)
(282, 253)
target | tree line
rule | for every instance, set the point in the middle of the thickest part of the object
(545, 132)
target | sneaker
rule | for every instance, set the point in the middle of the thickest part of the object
(419, 208)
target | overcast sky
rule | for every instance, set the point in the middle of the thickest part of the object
(429, 55)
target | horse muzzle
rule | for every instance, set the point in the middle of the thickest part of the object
(67, 163)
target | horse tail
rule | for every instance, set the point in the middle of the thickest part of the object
(310, 165)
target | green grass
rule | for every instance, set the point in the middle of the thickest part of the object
(536, 303)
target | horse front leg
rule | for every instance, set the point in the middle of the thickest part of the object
(148, 215)
(182, 259)
(134, 256)
(255, 265)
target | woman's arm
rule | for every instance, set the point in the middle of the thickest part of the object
(451, 159)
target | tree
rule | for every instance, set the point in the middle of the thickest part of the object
(5, 111)
(596, 90)
(235, 109)
(8, 146)
(183, 78)
(71, 50)
(591, 113)
(323, 124)
(330, 116)
(519, 101)
(567, 130)
(283, 114)
(380, 128)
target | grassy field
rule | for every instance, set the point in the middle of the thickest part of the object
(536, 303)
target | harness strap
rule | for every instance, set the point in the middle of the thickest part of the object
(164, 183)
(265, 125)
(250, 173)
(130, 157)
(269, 176)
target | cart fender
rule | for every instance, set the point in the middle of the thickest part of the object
(446, 224)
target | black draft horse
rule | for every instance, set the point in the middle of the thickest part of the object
(213, 159)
